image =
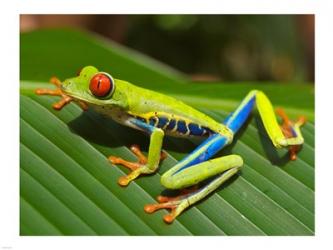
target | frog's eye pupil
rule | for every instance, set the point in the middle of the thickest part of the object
(101, 85)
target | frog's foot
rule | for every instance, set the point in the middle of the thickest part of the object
(65, 99)
(137, 168)
(288, 129)
(177, 204)
(183, 193)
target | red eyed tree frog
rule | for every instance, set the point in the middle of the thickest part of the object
(159, 115)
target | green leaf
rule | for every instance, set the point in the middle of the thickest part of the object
(68, 187)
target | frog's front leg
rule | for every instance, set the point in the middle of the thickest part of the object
(145, 165)
(65, 99)
(286, 135)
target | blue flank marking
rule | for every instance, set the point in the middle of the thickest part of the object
(195, 130)
(181, 127)
(171, 124)
(162, 121)
(216, 141)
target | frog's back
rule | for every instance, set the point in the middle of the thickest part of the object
(173, 116)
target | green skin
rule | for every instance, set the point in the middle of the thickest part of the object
(128, 102)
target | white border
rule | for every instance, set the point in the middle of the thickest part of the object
(170, 6)
(9, 221)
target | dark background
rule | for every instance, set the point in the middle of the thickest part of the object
(208, 47)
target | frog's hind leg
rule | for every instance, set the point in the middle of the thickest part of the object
(197, 167)
(287, 135)
(225, 166)
(288, 130)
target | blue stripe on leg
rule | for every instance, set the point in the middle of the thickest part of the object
(208, 148)
(239, 117)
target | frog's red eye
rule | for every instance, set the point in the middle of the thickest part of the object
(101, 85)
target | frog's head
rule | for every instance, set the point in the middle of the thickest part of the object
(95, 87)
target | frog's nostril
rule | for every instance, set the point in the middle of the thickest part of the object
(66, 85)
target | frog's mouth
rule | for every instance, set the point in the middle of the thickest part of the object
(84, 105)
(74, 94)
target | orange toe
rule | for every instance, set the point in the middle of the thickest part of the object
(168, 218)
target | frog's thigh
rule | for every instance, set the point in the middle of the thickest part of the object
(199, 172)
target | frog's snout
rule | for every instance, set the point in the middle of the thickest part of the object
(62, 87)
(66, 85)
